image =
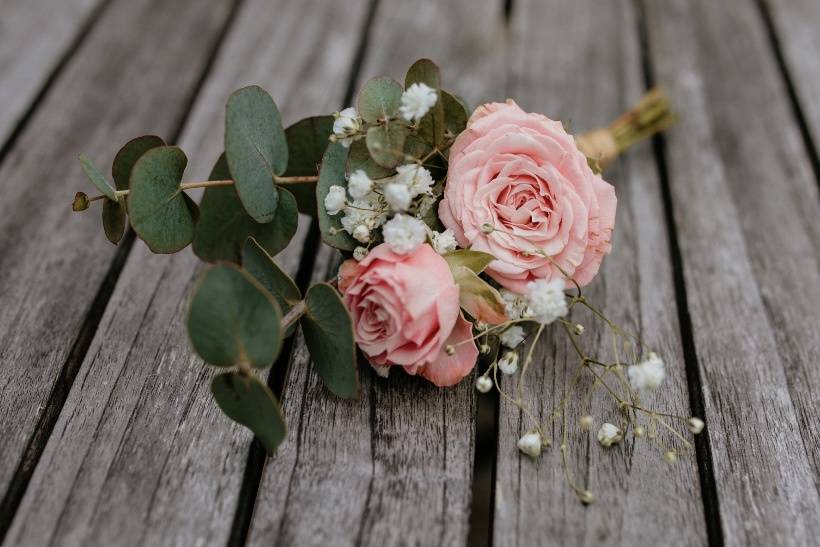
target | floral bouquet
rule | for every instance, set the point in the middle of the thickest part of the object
(465, 237)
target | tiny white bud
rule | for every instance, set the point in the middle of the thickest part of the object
(670, 456)
(487, 228)
(579, 329)
(397, 196)
(586, 422)
(530, 444)
(359, 253)
(587, 497)
(695, 425)
(609, 434)
(512, 336)
(335, 200)
(484, 349)
(509, 363)
(361, 234)
(640, 431)
(483, 384)
(449, 349)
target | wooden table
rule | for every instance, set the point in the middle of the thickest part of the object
(108, 435)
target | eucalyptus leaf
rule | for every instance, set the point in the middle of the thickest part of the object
(379, 99)
(386, 143)
(328, 332)
(113, 220)
(256, 149)
(333, 173)
(476, 261)
(479, 298)
(455, 113)
(98, 178)
(160, 212)
(224, 225)
(232, 319)
(128, 155)
(359, 158)
(431, 126)
(267, 272)
(246, 400)
(307, 141)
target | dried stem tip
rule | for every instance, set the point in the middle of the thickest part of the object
(80, 202)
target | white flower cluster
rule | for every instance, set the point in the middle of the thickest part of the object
(371, 204)
(416, 101)
(346, 125)
(544, 302)
(647, 374)
(609, 434)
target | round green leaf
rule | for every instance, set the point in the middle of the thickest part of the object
(128, 155)
(333, 173)
(386, 144)
(160, 212)
(328, 332)
(246, 400)
(97, 178)
(256, 149)
(224, 226)
(267, 272)
(307, 142)
(359, 158)
(233, 320)
(455, 113)
(113, 220)
(379, 99)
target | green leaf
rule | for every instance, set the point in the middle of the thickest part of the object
(479, 298)
(267, 272)
(333, 173)
(128, 155)
(232, 319)
(476, 261)
(98, 178)
(386, 144)
(455, 113)
(379, 99)
(328, 332)
(160, 213)
(307, 142)
(359, 158)
(431, 126)
(246, 400)
(113, 220)
(256, 149)
(224, 225)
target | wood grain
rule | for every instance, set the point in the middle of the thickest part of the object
(141, 454)
(585, 71)
(53, 262)
(745, 208)
(35, 37)
(795, 24)
(394, 467)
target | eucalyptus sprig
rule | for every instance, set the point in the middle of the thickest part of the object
(244, 305)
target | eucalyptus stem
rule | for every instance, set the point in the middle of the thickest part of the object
(293, 315)
(81, 200)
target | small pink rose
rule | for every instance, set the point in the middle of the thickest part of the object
(405, 310)
(523, 174)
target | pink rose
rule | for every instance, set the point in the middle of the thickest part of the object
(524, 175)
(405, 312)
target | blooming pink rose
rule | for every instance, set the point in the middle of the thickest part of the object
(524, 175)
(405, 312)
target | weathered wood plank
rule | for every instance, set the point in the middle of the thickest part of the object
(585, 71)
(796, 24)
(35, 36)
(396, 466)
(52, 262)
(141, 454)
(746, 208)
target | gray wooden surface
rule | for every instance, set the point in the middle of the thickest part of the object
(109, 436)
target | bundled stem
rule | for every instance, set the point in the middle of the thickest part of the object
(651, 115)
